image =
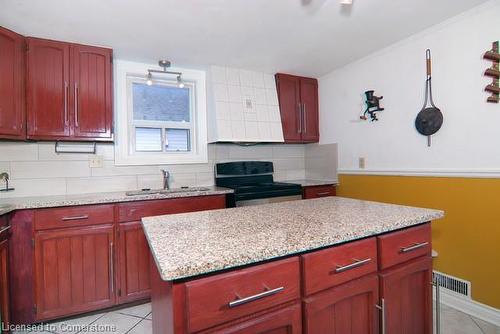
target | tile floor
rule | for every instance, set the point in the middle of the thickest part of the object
(137, 320)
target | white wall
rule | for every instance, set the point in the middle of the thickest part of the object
(469, 141)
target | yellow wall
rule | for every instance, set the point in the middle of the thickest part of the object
(467, 239)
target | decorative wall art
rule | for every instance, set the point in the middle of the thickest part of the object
(372, 106)
(494, 73)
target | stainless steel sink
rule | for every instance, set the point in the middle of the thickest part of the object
(165, 191)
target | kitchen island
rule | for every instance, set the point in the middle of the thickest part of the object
(293, 267)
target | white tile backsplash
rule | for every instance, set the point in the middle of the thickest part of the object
(36, 170)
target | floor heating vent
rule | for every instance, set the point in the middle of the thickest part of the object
(457, 285)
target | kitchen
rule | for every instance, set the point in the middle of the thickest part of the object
(220, 179)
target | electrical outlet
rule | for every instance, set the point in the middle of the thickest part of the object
(362, 163)
(96, 161)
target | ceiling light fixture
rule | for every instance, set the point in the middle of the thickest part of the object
(164, 64)
(346, 2)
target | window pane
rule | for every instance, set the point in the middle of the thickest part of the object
(148, 140)
(160, 103)
(177, 140)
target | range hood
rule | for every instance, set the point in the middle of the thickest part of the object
(242, 106)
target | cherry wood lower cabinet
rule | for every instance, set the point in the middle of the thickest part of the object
(71, 260)
(407, 297)
(284, 321)
(350, 308)
(318, 191)
(134, 261)
(74, 270)
(343, 291)
(4, 274)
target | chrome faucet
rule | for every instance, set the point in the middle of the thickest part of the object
(166, 179)
(5, 177)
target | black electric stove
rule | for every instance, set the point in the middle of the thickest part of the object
(252, 181)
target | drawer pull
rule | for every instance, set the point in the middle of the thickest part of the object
(324, 193)
(413, 247)
(6, 228)
(75, 217)
(256, 297)
(356, 264)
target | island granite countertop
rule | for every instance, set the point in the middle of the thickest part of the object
(19, 203)
(190, 244)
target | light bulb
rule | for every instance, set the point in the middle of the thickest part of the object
(149, 82)
(180, 84)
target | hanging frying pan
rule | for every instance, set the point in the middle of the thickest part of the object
(430, 119)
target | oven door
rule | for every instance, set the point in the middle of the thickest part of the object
(258, 201)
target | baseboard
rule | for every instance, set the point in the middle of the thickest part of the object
(471, 307)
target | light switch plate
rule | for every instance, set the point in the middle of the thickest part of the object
(96, 161)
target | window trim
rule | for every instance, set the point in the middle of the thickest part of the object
(127, 72)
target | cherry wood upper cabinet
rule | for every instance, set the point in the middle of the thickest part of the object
(12, 98)
(48, 89)
(69, 91)
(310, 109)
(92, 113)
(299, 107)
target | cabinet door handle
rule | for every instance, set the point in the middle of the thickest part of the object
(299, 126)
(355, 264)
(111, 268)
(75, 217)
(258, 296)
(304, 115)
(381, 307)
(66, 88)
(6, 228)
(414, 247)
(324, 193)
(438, 306)
(76, 104)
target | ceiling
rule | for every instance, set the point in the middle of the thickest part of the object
(308, 37)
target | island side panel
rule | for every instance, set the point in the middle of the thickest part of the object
(167, 304)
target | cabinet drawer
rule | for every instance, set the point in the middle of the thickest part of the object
(215, 300)
(73, 216)
(334, 266)
(136, 210)
(319, 191)
(401, 246)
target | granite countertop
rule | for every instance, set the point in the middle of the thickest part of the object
(19, 203)
(191, 244)
(312, 183)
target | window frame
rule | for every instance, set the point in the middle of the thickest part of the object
(126, 74)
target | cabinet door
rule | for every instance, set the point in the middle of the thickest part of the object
(91, 96)
(310, 109)
(289, 99)
(407, 294)
(12, 110)
(73, 270)
(347, 309)
(285, 321)
(48, 89)
(4, 285)
(135, 261)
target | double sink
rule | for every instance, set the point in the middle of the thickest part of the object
(165, 191)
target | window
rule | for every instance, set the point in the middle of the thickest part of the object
(161, 116)
(159, 123)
